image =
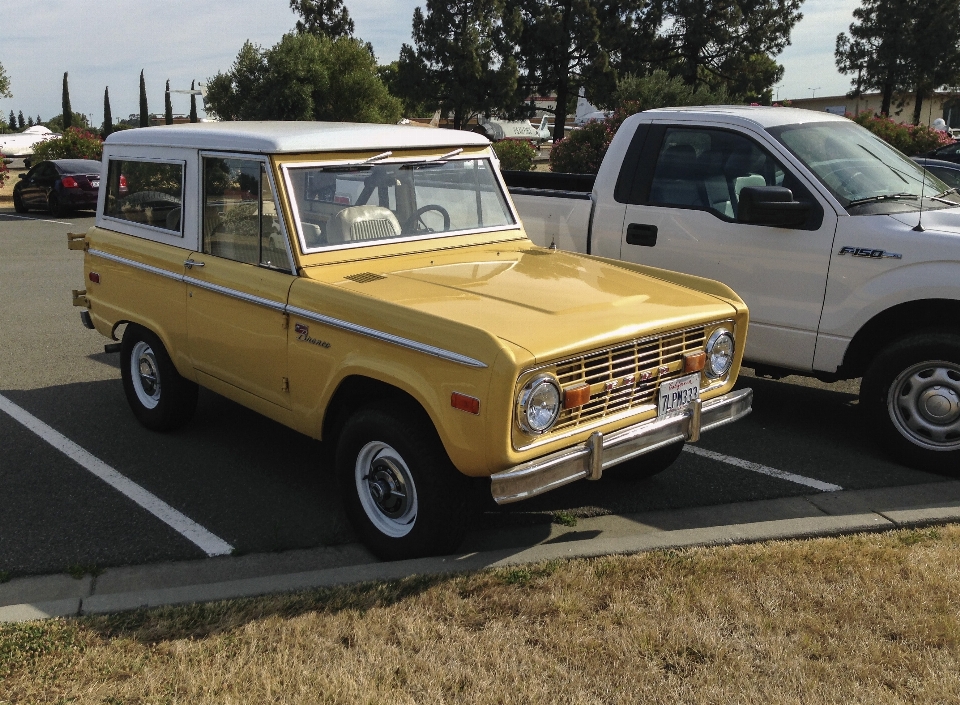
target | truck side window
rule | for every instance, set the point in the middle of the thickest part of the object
(707, 169)
(240, 220)
(146, 193)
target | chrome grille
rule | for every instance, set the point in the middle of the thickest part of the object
(641, 358)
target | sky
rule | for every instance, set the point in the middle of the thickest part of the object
(108, 42)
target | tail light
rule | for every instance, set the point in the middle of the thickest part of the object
(68, 182)
(123, 181)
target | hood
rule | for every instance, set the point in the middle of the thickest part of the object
(944, 220)
(551, 303)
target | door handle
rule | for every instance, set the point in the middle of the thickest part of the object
(190, 264)
(642, 235)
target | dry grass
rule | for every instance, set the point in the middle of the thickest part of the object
(868, 618)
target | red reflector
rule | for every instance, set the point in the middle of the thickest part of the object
(576, 396)
(94, 277)
(461, 401)
(694, 362)
(68, 182)
(123, 181)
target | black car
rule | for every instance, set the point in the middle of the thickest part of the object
(947, 172)
(58, 185)
(948, 152)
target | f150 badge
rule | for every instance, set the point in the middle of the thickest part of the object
(303, 333)
(869, 252)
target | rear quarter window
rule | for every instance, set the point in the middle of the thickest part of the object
(147, 193)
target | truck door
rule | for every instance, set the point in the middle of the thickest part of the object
(682, 216)
(237, 284)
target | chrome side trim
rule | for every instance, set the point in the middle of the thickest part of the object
(599, 452)
(137, 265)
(386, 337)
(303, 313)
(234, 294)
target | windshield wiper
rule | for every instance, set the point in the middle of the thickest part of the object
(882, 197)
(946, 193)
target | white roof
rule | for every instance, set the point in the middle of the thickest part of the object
(754, 115)
(274, 137)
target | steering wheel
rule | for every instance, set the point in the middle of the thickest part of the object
(414, 222)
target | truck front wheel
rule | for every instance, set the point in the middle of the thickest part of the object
(159, 397)
(911, 394)
(401, 493)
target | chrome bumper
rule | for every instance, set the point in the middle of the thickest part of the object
(590, 459)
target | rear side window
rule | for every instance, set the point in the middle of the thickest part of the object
(145, 193)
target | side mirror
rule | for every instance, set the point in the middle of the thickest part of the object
(771, 205)
(22, 176)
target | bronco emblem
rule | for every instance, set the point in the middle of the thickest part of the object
(303, 333)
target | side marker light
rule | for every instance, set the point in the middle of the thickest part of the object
(465, 403)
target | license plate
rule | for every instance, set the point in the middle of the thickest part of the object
(675, 394)
(95, 184)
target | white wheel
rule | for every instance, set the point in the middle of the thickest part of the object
(145, 375)
(386, 489)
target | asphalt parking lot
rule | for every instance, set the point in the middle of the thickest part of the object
(258, 487)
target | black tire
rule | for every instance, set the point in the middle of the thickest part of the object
(646, 465)
(911, 397)
(18, 205)
(54, 205)
(159, 397)
(411, 502)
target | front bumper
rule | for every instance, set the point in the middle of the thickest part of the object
(590, 459)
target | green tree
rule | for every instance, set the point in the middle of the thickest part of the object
(933, 53)
(107, 114)
(30, 122)
(562, 48)
(876, 48)
(12, 121)
(144, 110)
(167, 106)
(463, 61)
(193, 103)
(21, 123)
(79, 121)
(74, 143)
(660, 90)
(303, 77)
(66, 111)
(324, 18)
(730, 42)
(4, 84)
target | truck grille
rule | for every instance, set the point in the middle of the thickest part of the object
(607, 372)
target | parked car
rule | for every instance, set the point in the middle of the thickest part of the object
(371, 286)
(58, 185)
(846, 252)
(947, 172)
(948, 152)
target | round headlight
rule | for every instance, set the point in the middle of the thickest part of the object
(720, 349)
(539, 405)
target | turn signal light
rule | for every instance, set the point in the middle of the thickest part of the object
(576, 396)
(95, 277)
(465, 403)
(694, 362)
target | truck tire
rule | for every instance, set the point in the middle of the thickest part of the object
(159, 397)
(402, 494)
(911, 396)
(646, 465)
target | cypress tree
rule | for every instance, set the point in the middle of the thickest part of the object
(13, 121)
(144, 114)
(167, 106)
(107, 114)
(20, 121)
(193, 104)
(67, 110)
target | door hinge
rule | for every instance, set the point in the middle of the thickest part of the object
(284, 384)
(285, 321)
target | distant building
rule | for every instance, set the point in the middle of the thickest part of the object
(944, 105)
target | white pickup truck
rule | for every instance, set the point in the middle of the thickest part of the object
(846, 253)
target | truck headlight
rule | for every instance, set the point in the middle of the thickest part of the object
(539, 404)
(720, 348)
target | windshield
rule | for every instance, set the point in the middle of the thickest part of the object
(358, 205)
(860, 169)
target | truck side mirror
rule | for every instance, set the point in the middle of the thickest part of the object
(771, 205)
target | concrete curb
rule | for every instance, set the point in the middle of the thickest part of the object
(137, 587)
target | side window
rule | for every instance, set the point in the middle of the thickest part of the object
(240, 219)
(707, 169)
(146, 193)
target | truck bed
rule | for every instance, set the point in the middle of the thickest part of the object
(555, 207)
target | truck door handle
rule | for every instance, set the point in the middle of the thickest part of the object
(643, 235)
(190, 264)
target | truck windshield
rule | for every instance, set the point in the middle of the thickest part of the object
(860, 169)
(358, 205)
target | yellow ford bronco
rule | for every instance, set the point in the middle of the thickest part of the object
(372, 286)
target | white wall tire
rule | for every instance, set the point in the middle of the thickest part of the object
(386, 489)
(160, 398)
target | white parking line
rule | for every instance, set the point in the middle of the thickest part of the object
(27, 217)
(765, 470)
(186, 527)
